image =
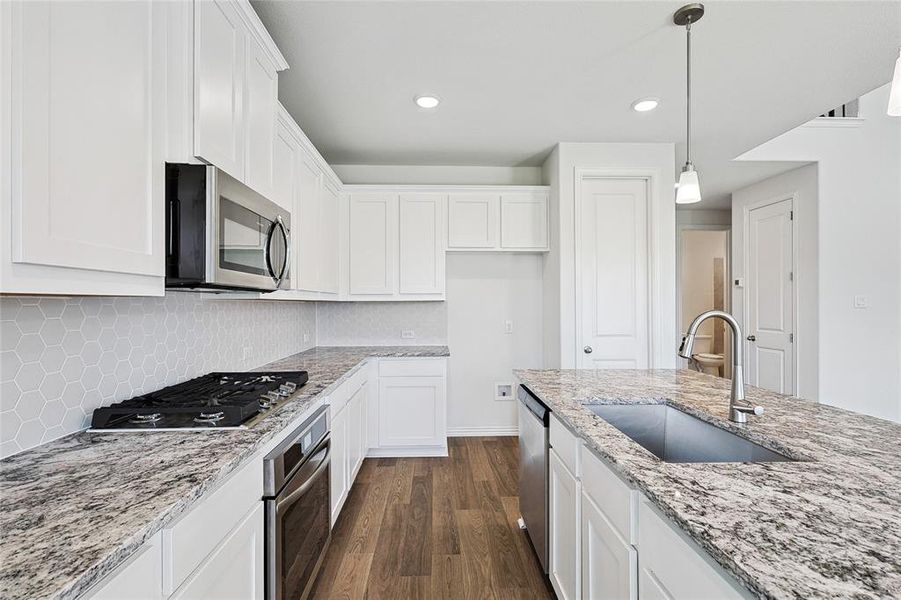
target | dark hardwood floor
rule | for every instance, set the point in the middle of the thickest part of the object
(434, 528)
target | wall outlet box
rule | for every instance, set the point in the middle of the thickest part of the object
(503, 391)
(508, 326)
(861, 301)
(408, 334)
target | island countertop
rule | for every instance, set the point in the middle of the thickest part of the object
(827, 526)
(74, 509)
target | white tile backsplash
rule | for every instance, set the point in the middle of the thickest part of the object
(60, 358)
(380, 323)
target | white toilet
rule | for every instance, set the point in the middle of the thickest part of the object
(709, 363)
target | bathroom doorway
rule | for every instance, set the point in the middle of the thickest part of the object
(704, 285)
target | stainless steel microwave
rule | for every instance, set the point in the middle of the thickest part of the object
(221, 235)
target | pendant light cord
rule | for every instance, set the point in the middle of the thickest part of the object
(688, 92)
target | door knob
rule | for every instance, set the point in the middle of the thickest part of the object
(587, 350)
(752, 338)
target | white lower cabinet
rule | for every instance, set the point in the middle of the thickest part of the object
(338, 476)
(672, 567)
(235, 569)
(412, 407)
(564, 506)
(348, 437)
(140, 578)
(609, 563)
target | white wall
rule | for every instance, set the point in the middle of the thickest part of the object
(484, 291)
(438, 175)
(559, 171)
(859, 228)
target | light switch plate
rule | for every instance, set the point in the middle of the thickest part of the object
(407, 334)
(861, 301)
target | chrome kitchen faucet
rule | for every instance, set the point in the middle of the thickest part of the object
(739, 409)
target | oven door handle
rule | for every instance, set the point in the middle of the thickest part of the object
(295, 495)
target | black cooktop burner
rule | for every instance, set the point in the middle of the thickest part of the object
(215, 400)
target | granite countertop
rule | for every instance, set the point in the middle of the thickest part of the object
(74, 509)
(826, 527)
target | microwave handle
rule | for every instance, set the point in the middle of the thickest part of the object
(278, 224)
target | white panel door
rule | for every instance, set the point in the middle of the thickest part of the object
(771, 322)
(563, 530)
(328, 238)
(219, 64)
(613, 269)
(87, 162)
(373, 235)
(305, 226)
(260, 101)
(524, 221)
(235, 569)
(609, 563)
(285, 165)
(412, 411)
(421, 247)
(472, 220)
(338, 462)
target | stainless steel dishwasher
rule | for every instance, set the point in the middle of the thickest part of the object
(533, 470)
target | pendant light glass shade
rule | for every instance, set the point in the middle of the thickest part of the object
(894, 99)
(689, 190)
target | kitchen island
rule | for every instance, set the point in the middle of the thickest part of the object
(827, 525)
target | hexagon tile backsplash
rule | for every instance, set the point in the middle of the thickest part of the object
(60, 358)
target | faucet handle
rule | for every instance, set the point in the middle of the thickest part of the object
(750, 410)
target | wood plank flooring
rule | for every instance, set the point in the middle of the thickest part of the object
(434, 528)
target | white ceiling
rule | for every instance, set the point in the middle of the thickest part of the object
(515, 78)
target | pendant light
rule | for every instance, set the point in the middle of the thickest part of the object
(689, 190)
(894, 99)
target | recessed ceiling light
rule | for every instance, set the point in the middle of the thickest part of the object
(427, 101)
(645, 104)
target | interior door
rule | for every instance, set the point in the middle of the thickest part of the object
(770, 314)
(613, 264)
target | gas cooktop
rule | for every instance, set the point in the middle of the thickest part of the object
(213, 401)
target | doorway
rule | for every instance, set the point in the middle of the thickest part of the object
(704, 277)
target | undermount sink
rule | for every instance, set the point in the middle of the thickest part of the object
(675, 436)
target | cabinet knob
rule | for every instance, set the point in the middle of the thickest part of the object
(587, 349)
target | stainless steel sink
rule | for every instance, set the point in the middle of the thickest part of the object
(674, 436)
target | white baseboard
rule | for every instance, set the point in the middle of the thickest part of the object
(483, 431)
(406, 451)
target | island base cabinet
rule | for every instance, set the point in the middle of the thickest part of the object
(609, 563)
(563, 532)
(672, 568)
(235, 570)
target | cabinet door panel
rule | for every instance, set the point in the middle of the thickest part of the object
(472, 220)
(219, 64)
(235, 569)
(88, 93)
(328, 239)
(261, 96)
(354, 434)
(609, 563)
(524, 221)
(412, 411)
(421, 248)
(373, 228)
(285, 163)
(563, 543)
(140, 578)
(306, 226)
(338, 477)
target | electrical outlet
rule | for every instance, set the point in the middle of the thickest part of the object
(861, 301)
(408, 334)
(306, 337)
(248, 353)
(508, 326)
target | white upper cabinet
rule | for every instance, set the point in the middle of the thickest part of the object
(472, 221)
(84, 83)
(524, 220)
(305, 229)
(219, 69)
(372, 243)
(261, 99)
(498, 220)
(236, 68)
(421, 244)
(285, 166)
(329, 230)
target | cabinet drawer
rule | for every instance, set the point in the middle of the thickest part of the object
(422, 367)
(612, 495)
(567, 445)
(193, 537)
(672, 566)
(338, 398)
